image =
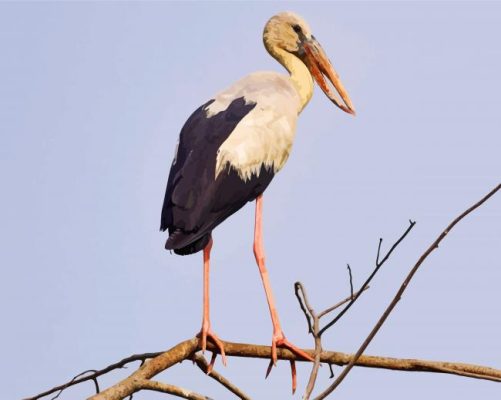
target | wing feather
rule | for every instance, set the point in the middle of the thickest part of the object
(191, 187)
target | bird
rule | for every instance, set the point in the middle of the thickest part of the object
(231, 147)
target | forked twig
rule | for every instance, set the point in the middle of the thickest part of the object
(313, 318)
(369, 279)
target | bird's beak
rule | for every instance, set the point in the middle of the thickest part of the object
(320, 67)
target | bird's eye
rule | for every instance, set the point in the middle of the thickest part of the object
(296, 28)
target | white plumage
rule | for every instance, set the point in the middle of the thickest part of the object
(265, 135)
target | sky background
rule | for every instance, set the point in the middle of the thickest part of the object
(92, 98)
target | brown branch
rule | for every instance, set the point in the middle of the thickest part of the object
(401, 290)
(150, 368)
(314, 330)
(338, 358)
(203, 365)
(314, 327)
(156, 386)
(96, 374)
(160, 361)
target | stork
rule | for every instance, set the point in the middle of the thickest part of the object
(231, 147)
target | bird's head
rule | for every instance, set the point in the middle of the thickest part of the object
(290, 33)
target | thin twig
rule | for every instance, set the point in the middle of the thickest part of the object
(75, 380)
(203, 365)
(317, 332)
(95, 374)
(351, 280)
(316, 365)
(379, 250)
(337, 305)
(331, 371)
(401, 290)
(366, 283)
(313, 329)
(96, 385)
(305, 307)
(395, 245)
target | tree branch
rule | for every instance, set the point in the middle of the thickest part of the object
(95, 374)
(369, 279)
(401, 290)
(156, 386)
(203, 365)
(181, 351)
(154, 363)
(342, 302)
(313, 318)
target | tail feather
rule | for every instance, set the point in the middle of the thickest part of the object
(186, 243)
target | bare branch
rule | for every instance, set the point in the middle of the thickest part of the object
(316, 365)
(305, 306)
(186, 349)
(338, 358)
(95, 374)
(401, 290)
(351, 280)
(379, 250)
(156, 386)
(331, 371)
(96, 385)
(315, 328)
(366, 283)
(203, 365)
(337, 305)
(152, 367)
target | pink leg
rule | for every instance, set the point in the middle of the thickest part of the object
(278, 338)
(206, 332)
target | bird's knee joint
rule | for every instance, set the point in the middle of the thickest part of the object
(258, 254)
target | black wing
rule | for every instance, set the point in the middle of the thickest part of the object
(195, 202)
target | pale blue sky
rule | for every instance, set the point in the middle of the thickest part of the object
(92, 97)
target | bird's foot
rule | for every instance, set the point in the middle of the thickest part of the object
(207, 334)
(279, 340)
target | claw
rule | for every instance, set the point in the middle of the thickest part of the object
(279, 340)
(205, 334)
(270, 366)
(274, 356)
(210, 367)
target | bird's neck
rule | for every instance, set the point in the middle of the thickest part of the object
(299, 75)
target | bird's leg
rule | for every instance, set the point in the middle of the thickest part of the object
(206, 332)
(278, 338)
